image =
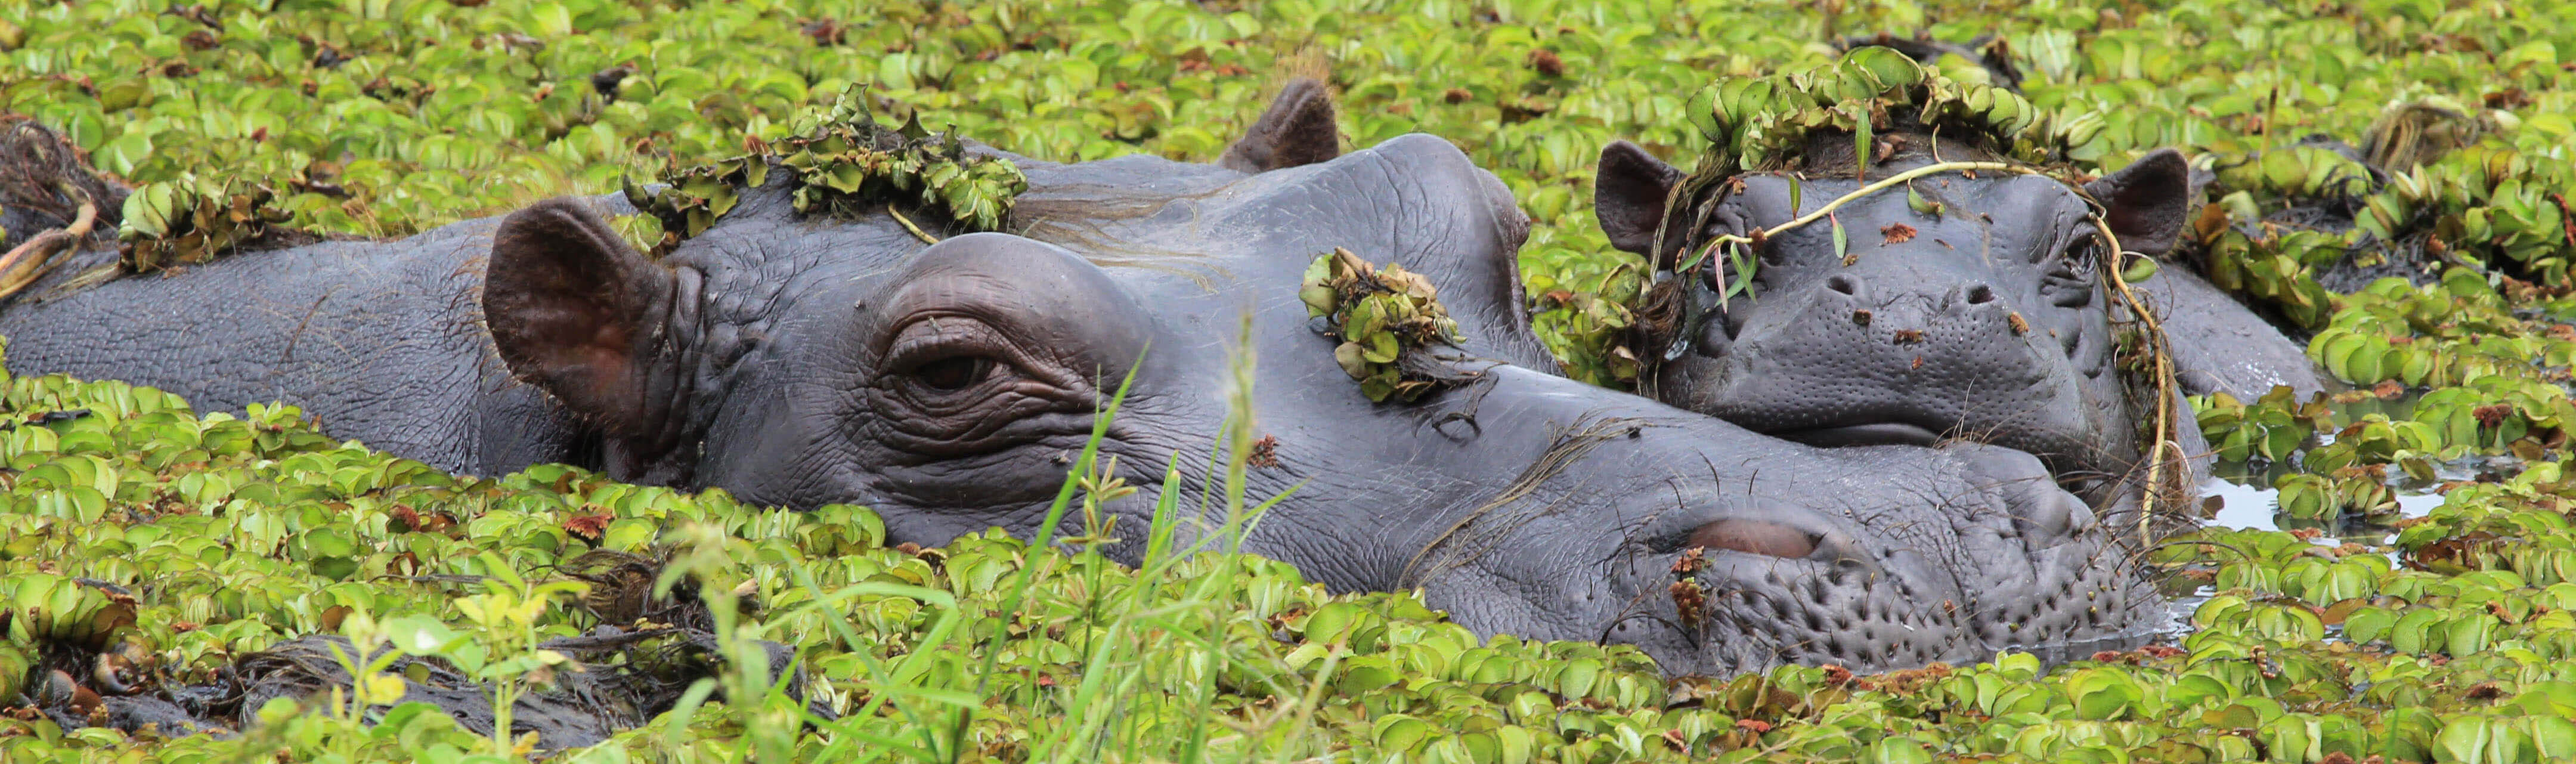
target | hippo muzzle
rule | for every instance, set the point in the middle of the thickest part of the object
(1717, 554)
(1900, 348)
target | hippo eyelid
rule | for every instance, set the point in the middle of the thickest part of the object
(949, 385)
(933, 336)
(962, 346)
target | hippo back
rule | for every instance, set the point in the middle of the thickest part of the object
(380, 341)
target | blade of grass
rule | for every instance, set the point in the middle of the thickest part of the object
(1045, 536)
(834, 619)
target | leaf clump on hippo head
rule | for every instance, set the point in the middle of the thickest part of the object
(59, 206)
(1386, 319)
(1764, 123)
(845, 164)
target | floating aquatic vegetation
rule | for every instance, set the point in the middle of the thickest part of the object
(845, 163)
(2285, 218)
(1766, 122)
(189, 222)
(386, 118)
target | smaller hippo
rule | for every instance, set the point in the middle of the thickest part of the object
(1968, 307)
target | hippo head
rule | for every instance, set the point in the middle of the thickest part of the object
(1962, 305)
(800, 361)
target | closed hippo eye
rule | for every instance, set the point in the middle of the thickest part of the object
(942, 356)
(989, 343)
(1756, 537)
(955, 384)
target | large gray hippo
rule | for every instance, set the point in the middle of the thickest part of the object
(1970, 307)
(798, 360)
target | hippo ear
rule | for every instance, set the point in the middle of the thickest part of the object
(2146, 203)
(1628, 195)
(576, 311)
(1298, 129)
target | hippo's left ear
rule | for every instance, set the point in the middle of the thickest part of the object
(1628, 197)
(1298, 129)
(2147, 203)
(576, 311)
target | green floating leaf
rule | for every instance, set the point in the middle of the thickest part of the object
(2139, 269)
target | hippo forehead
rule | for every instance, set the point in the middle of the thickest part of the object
(1186, 250)
(1173, 227)
(2005, 218)
(1415, 200)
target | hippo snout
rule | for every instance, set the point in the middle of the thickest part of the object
(2006, 559)
(1890, 356)
(1894, 325)
(2042, 511)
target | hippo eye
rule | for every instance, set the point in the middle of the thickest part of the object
(954, 373)
(938, 362)
(2080, 254)
(2069, 283)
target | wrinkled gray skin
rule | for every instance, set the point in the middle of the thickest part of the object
(1915, 342)
(802, 361)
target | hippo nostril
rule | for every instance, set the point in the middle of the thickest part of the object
(2051, 514)
(1979, 295)
(1756, 537)
(1716, 335)
(1845, 284)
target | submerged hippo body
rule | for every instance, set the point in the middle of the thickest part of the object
(801, 361)
(1982, 318)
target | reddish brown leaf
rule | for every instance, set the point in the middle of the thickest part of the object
(1265, 452)
(1546, 63)
(588, 526)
